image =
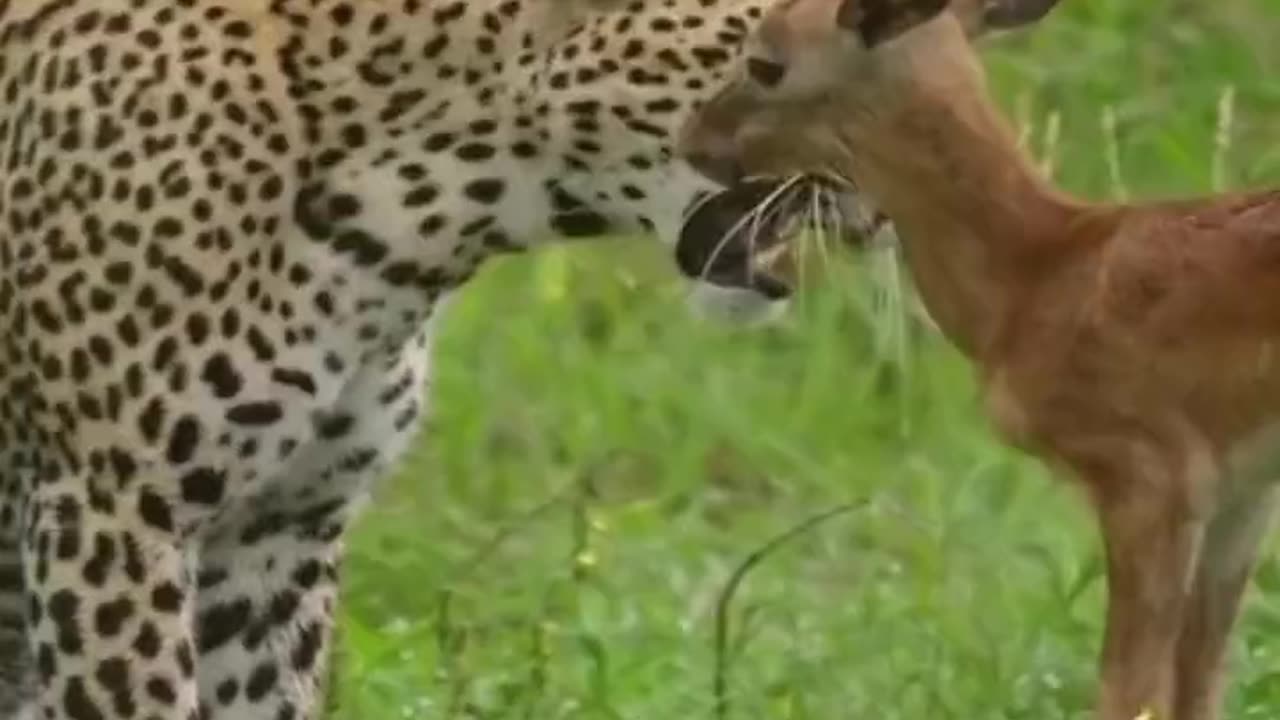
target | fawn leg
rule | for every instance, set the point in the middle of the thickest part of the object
(1151, 535)
(1226, 562)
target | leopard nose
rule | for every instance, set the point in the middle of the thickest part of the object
(723, 168)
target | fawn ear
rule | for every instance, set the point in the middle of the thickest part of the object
(878, 21)
(1009, 14)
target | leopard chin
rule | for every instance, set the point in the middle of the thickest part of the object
(738, 246)
(739, 307)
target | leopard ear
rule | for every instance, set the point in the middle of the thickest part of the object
(878, 21)
(555, 20)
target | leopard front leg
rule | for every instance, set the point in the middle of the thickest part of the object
(268, 580)
(17, 674)
(265, 617)
(109, 603)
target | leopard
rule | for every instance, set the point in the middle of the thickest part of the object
(228, 232)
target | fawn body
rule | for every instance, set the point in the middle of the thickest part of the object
(1134, 347)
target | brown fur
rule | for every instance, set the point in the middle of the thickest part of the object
(1132, 346)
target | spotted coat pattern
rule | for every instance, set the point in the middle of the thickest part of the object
(226, 228)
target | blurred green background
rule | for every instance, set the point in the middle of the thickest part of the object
(599, 459)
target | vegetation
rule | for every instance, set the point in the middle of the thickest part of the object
(600, 460)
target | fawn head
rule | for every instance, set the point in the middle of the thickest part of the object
(819, 83)
(815, 69)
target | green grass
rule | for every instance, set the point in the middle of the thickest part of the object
(629, 456)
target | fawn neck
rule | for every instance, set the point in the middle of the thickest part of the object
(972, 213)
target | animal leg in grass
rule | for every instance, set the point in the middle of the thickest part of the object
(1151, 536)
(1226, 561)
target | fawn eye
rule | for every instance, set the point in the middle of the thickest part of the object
(766, 72)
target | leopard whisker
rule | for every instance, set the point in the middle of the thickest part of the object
(754, 217)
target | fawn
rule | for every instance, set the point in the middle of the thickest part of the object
(1134, 347)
